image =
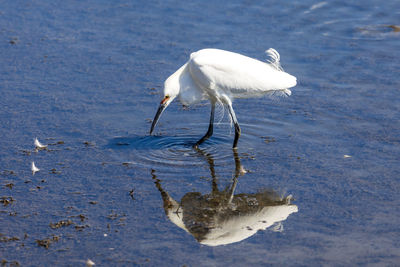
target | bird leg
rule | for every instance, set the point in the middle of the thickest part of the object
(237, 127)
(210, 127)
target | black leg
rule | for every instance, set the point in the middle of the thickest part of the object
(211, 164)
(237, 127)
(210, 127)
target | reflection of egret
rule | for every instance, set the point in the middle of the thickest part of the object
(220, 76)
(222, 217)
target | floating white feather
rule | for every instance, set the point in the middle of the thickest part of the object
(34, 169)
(89, 263)
(38, 145)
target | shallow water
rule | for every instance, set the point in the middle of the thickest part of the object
(85, 78)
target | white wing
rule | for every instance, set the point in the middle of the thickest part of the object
(235, 74)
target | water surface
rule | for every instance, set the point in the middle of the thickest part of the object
(85, 78)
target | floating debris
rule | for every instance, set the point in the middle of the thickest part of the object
(10, 185)
(6, 200)
(88, 144)
(34, 169)
(60, 224)
(54, 171)
(38, 145)
(7, 172)
(90, 263)
(379, 30)
(14, 40)
(81, 227)
(131, 194)
(57, 143)
(47, 242)
(268, 139)
(4, 262)
(26, 152)
(113, 216)
(82, 217)
(8, 239)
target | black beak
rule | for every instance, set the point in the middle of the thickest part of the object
(158, 114)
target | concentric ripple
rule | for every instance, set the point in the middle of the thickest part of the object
(174, 151)
(177, 150)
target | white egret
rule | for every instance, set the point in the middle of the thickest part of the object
(220, 76)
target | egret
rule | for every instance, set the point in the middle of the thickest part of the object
(220, 76)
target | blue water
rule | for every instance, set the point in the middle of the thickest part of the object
(85, 77)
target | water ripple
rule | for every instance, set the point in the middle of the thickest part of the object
(177, 151)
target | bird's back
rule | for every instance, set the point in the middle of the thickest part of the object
(237, 75)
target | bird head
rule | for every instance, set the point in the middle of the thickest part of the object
(172, 88)
(169, 96)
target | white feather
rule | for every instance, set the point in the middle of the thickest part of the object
(274, 58)
(38, 145)
(90, 263)
(34, 169)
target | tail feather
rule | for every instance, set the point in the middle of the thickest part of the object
(289, 80)
(274, 58)
(278, 93)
